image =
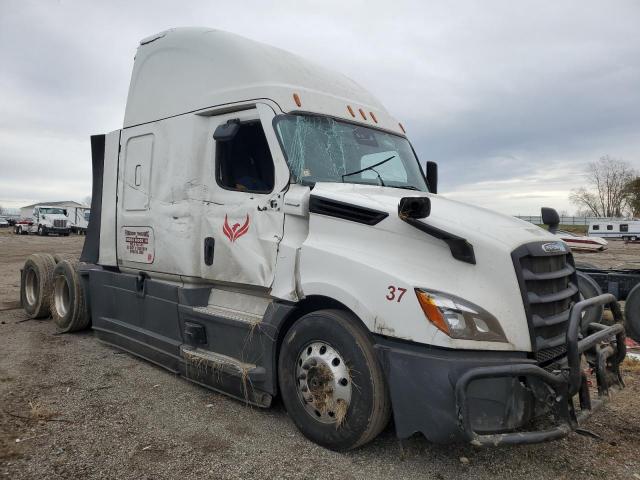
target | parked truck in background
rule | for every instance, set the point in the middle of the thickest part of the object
(78, 219)
(44, 220)
(263, 227)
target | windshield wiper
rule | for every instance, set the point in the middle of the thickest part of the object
(372, 168)
(407, 187)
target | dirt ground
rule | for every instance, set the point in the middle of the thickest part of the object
(72, 407)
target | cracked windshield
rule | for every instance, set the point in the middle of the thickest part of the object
(321, 149)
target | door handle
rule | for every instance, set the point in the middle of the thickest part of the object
(209, 244)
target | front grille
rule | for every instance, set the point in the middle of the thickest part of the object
(549, 288)
(60, 223)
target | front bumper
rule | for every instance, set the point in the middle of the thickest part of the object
(492, 398)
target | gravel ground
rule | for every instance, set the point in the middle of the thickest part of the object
(72, 407)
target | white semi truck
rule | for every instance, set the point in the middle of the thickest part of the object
(44, 219)
(263, 227)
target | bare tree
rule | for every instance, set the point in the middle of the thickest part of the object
(633, 196)
(606, 194)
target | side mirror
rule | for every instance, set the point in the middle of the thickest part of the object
(227, 131)
(432, 176)
(414, 207)
(550, 218)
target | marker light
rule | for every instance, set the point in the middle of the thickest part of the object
(402, 128)
(364, 116)
(459, 318)
(351, 111)
(373, 117)
(296, 98)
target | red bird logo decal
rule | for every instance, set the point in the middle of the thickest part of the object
(235, 232)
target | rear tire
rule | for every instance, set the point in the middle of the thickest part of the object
(632, 313)
(37, 284)
(589, 288)
(58, 257)
(68, 303)
(348, 360)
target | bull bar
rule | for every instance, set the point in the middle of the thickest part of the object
(565, 383)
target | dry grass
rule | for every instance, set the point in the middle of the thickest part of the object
(37, 411)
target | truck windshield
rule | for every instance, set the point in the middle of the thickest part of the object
(53, 211)
(321, 149)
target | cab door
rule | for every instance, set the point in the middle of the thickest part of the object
(243, 223)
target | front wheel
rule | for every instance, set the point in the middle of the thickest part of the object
(331, 383)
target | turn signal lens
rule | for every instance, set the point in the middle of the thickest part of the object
(296, 98)
(431, 310)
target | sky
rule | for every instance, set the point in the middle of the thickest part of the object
(512, 99)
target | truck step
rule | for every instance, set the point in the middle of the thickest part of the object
(213, 362)
(229, 313)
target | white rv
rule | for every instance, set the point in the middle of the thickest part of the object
(262, 226)
(624, 229)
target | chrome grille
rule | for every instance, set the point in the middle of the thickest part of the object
(60, 223)
(549, 288)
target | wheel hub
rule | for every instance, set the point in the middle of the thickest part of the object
(61, 297)
(323, 382)
(31, 286)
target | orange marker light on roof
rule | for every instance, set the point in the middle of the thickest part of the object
(373, 117)
(402, 128)
(364, 117)
(351, 111)
(296, 98)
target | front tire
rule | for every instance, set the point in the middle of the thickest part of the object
(330, 380)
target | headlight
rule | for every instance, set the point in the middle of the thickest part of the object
(459, 318)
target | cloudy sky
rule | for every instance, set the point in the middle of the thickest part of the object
(512, 98)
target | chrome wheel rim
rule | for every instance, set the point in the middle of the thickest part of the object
(323, 382)
(31, 286)
(61, 297)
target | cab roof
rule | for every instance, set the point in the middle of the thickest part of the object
(188, 69)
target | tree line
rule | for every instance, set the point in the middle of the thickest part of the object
(612, 190)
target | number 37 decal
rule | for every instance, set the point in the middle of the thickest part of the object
(395, 293)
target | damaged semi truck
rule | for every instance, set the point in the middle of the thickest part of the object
(262, 226)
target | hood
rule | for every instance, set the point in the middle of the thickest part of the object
(461, 219)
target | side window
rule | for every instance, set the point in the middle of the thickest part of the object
(624, 227)
(609, 227)
(244, 163)
(596, 227)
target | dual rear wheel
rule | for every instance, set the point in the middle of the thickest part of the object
(51, 286)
